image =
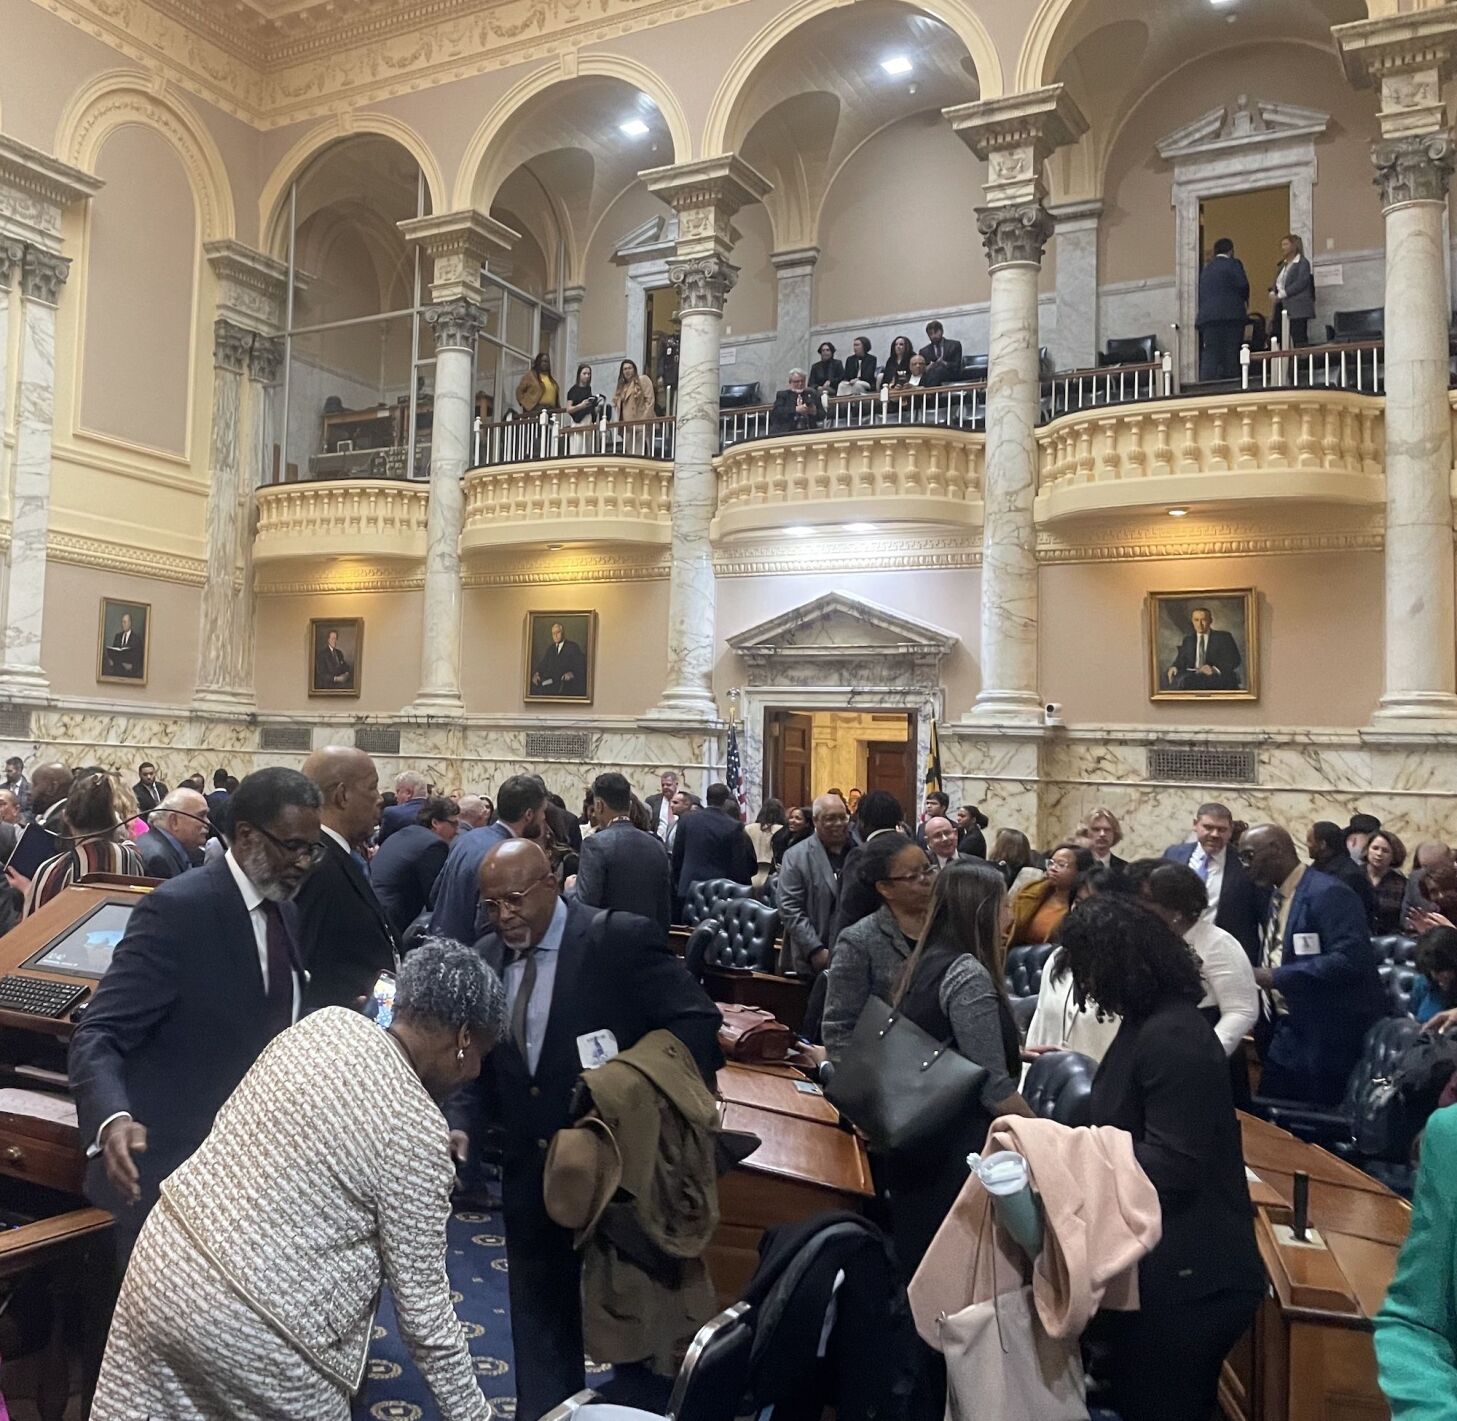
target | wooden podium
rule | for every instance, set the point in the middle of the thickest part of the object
(1310, 1356)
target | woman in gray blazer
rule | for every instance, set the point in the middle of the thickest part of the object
(1294, 290)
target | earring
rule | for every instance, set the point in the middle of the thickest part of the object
(460, 1053)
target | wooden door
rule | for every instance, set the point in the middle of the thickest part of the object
(788, 737)
(887, 767)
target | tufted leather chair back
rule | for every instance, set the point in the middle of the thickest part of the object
(1024, 968)
(1059, 1086)
(1394, 947)
(769, 890)
(1399, 977)
(701, 942)
(749, 939)
(707, 898)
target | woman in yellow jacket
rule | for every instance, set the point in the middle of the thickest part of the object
(537, 390)
(1040, 907)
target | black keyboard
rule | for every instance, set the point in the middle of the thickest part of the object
(37, 996)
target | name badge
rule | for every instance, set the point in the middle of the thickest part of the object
(596, 1048)
(1307, 944)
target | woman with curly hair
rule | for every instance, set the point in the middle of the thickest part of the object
(1165, 1080)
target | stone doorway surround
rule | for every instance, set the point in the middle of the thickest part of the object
(838, 652)
(1240, 147)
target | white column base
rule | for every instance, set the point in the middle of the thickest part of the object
(1012, 708)
(222, 700)
(24, 683)
(686, 705)
(436, 705)
(1409, 708)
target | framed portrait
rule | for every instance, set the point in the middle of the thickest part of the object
(561, 656)
(123, 641)
(1204, 646)
(335, 649)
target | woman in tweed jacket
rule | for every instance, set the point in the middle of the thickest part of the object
(252, 1288)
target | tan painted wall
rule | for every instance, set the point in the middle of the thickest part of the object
(71, 629)
(912, 179)
(751, 304)
(1320, 634)
(137, 347)
(1138, 223)
(604, 309)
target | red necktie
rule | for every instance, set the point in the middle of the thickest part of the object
(278, 1007)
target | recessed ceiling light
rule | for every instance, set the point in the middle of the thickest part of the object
(553, 547)
(1222, 4)
(860, 527)
(897, 64)
(634, 128)
(1178, 513)
(799, 530)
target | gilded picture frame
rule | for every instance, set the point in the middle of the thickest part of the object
(124, 641)
(335, 669)
(1227, 619)
(549, 674)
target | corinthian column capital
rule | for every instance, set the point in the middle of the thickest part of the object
(1414, 168)
(457, 324)
(1014, 234)
(230, 345)
(42, 274)
(704, 283)
(265, 359)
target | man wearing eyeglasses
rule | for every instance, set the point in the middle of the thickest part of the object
(175, 835)
(205, 976)
(582, 985)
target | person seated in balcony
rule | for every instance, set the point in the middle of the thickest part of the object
(859, 369)
(796, 408)
(537, 390)
(1294, 290)
(582, 403)
(943, 356)
(898, 363)
(634, 398)
(826, 373)
(1224, 295)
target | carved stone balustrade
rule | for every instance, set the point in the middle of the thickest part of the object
(353, 518)
(596, 499)
(1318, 445)
(880, 474)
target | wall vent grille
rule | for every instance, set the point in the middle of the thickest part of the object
(286, 737)
(558, 745)
(377, 739)
(1204, 764)
(14, 722)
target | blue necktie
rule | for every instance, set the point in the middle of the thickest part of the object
(1203, 869)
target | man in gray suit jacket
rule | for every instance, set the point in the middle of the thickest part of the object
(621, 866)
(809, 889)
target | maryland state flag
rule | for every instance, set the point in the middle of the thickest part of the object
(933, 762)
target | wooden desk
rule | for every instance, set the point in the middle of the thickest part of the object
(1309, 1356)
(783, 1091)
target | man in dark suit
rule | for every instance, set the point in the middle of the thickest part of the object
(520, 813)
(796, 408)
(941, 843)
(1223, 309)
(581, 983)
(344, 934)
(411, 787)
(1317, 972)
(561, 670)
(206, 975)
(175, 835)
(125, 654)
(404, 871)
(943, 357)
(1236, 903)
(1208, 660)
(660, 805)
(149, 790)
(1104, 832)
(712, 844)
(1325, 842)
(217, 798)
(622, 867)
(332, 670)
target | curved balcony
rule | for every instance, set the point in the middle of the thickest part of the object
(596, 498)
(373, 519)
(1282, 444)
(876, 474)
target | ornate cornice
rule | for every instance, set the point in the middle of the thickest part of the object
(458, 245)
(1416, 168)
(703, 284)
(1146, 540)
(160, 566)
(706, 195)
(252, 287)
(352, 579)
(1014, 234)
(1014, 135)
(622, 564)
(35, 189)
(772, 556)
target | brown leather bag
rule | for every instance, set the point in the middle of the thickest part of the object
(750, 1034)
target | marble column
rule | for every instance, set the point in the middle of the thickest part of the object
(706, 195)
(11, 253)
(218, 659)
(265, 365)
(1076, 343)
(794, 276)
(42, 275)
(1409, 58)
(1014, 136)
(572, 298)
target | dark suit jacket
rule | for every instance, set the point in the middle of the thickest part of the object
(149, 796)
(458, 889)
(174, 1026)
(1333, 991)
(345, 938)
(826, 372)
(626, 869)
(654, 803)
(1220, 652)
(128, 659)
(161, 857)
(1165, 1080)
(404, 871)
(1224, 291)
(949, 372)
(555, 664)
(861, 367)
(397, 816)
(1345, 868)
(615, 973)
(217, 801)
(329, 664)
(709, 844)
(783, 419)
(1242, 902)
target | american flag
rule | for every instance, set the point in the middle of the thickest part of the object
(733, 773)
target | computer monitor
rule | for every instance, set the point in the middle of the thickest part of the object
(84, 948)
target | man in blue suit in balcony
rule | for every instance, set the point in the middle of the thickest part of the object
(1224, 295)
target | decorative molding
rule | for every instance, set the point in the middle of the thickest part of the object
(456, 325)
(42, 274)
(1242, 125)
(1014, 235)
(1414, 168)
(231, 346)
(585, 565)
(458, 245)
(360, 518)
(1150, 540)
(35, 189)
(265, 359)
(848, 553)
(706, 195)
(703, 284)
(1014, 135)
(160, 566)
(252, 287)
(353, 579)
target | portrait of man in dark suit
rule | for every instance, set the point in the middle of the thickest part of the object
(335, 648)
(123, 641)
(560, 648)
(1203, 645)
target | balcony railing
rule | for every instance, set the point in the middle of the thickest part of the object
(375, 518)
(1359, 366)
(552, 435)
(1072, 390)
(950, 406)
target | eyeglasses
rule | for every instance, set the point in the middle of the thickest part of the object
(920, 875)
(491, 907)
(1245, 856)
(310, 849)
(833, 819)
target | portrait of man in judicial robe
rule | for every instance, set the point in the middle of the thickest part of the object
(560, 654)
(1204, 645)
(334, 651)
(122, 650)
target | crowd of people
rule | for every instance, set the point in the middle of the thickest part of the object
(312, 884)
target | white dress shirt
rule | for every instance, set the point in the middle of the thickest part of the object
(1213, 876)
(538, 1009)
(1229, 982)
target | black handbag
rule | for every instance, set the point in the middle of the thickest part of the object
(897, 1084)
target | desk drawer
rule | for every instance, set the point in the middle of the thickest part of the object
(46, 1162)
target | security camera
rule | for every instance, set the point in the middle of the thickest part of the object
(1052, 713)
